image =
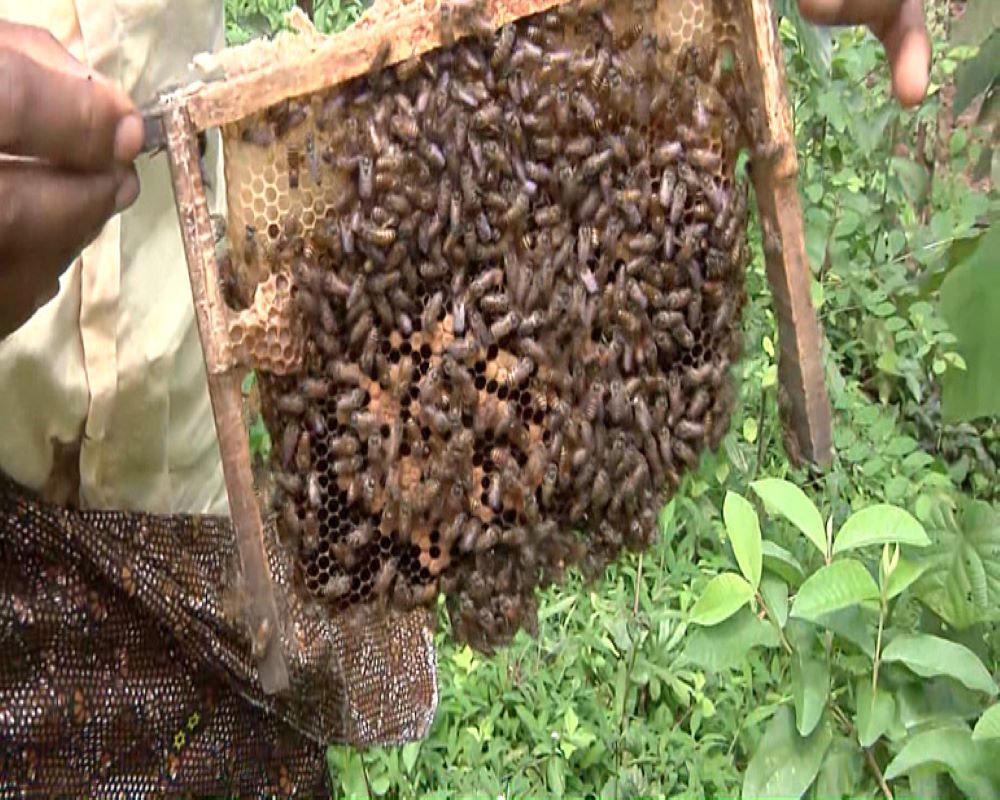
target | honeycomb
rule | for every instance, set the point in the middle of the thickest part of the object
(492, 295)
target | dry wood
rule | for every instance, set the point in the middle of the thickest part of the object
(262, 73)
(800, 364)
(224, 391)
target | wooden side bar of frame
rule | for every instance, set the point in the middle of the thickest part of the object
(224, 390)
(800, 363)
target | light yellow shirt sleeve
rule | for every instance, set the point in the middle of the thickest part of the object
(114, 360)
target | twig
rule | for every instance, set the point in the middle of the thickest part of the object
(364, 771)
(761, 444)
(628, 680)
(873, 766)
(638, 583)
(781, 634)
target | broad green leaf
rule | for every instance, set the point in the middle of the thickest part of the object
(775, 594)
(962, 582)
(979, 19)
(782, 563)
(970, 304)
(791, 502)
(839, 585)
(973, 766)
(988, 726)
(875, 712)
(843, 767)
(810, 689)
(855, 624)
(928, 656)
(879, 524)
(727, 645)
(904, 575)
(979, 74)
(743, 528)
(785, 764)
(724, 596)
(555, 775)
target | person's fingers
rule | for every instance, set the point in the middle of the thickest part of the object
(848, 12)
(21, 294)
(63, 118)
(49, 215)
(908, 47)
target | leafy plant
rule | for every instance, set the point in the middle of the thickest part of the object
(848, 656)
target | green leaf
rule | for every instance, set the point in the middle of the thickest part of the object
(409, 754)
(879, 524)
(782, 563)
(744, 534)
(875, 712)
(810, 689)
(724, 596)
(855, 624)
(970, 304)
(973, 766)
(988, 726)
(791, 502)
(841, 584)
(903, 576)
(962, 581)
(775, 594)
(555, 775)
(352, 775)
(727, 645)
(928, 656)
(979, 74)
(842, 770)
(785, 764)
(979, 19)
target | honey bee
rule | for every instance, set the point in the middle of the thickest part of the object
(383, 237)
(365, 181)
(595, 164)
(683, 451)
(347, 467)
(503, 48)
(337, 586)
(699, 404)
(384, 577)
(292, 405)
(504, 326)
(289, 483)
(548, 216)
(381, 58)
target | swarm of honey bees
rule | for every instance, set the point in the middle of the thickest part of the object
(519, 307)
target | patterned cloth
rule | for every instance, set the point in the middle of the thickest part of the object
(126, 670)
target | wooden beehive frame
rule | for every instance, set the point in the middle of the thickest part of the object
(315, 63)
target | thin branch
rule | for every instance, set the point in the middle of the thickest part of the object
(628, 681)
(781, 634)
(638, 583)
(873, 766)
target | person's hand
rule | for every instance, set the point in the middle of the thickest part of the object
(899, 24)
(68, 138)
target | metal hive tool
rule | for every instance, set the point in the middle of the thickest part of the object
(487, 260)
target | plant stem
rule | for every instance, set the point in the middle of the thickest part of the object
(364, 771)
(761, 444)
(774, 620)
(638, 583)
(628, 679)
(873, 766)
(878, 649)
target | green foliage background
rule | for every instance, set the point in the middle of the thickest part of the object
(622, 694)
